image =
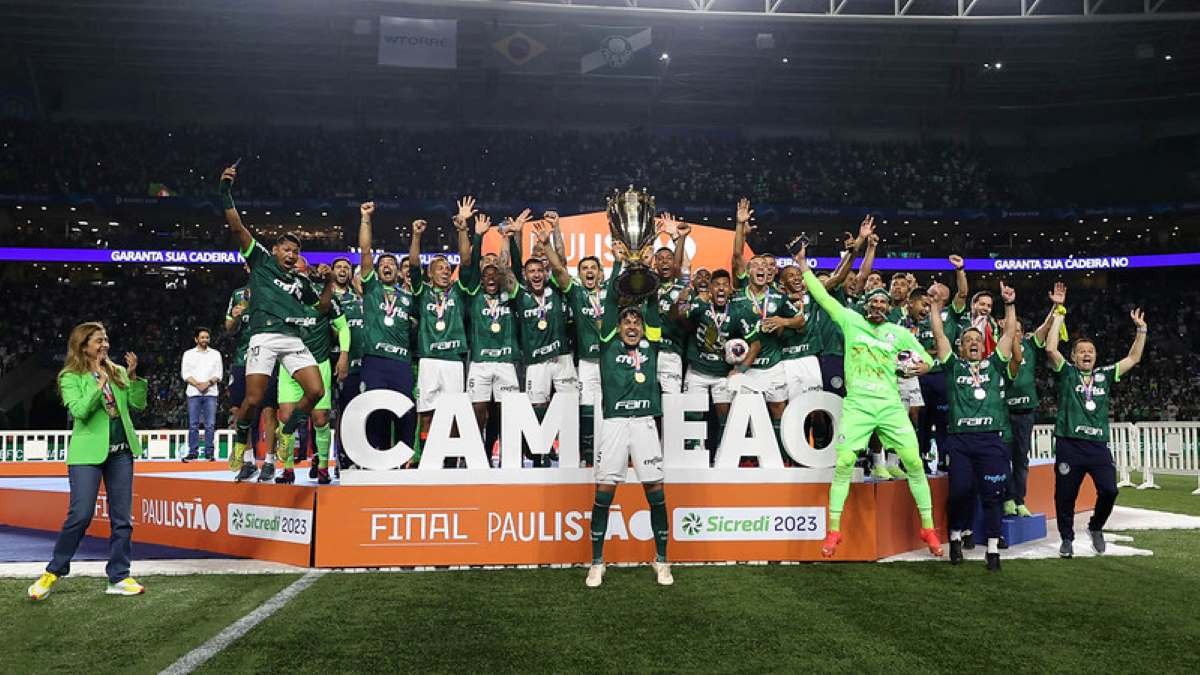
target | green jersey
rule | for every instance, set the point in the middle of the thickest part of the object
(317, 330)
(674, 335)
(441, 318)
(870, 349)
(388, 316)
(923, 331)
(543, 320)
(281, 296)
(352, 306)
(832, 340)
(1083, 401)
(706, 347)
(588, 309)
(491, 325)
(1022, 390)
(797, 344)
(240, 297)
(975, 391)
(963, 320)
(746, 313)
(628, 375)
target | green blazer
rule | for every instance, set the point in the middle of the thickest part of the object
(83, 399)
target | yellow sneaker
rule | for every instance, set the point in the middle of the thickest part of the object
(41, 587)
(126, 586)
(235, 456)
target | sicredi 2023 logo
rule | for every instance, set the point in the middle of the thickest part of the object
(270, 522)
(749, 524)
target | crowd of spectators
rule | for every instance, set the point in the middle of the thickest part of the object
(282, 163)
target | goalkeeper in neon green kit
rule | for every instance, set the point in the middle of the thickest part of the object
(872, 404)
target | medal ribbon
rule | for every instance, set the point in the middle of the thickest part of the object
(493, 309)
(442, 298)
(636, 357)
(389, 303)
(1088, 384)
(110, 399)
(760, 311)
(974, 368)
(541, 305)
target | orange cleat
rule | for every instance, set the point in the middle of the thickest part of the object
(831, 543)
(929, 536)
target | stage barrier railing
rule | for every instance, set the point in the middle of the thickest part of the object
(51, 446)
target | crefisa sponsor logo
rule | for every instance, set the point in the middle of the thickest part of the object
(756, 523)
(184, 515)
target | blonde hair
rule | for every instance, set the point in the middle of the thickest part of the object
(77, 361)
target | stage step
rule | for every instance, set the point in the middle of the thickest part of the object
(1014, 529)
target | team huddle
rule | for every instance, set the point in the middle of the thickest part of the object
(918, 367)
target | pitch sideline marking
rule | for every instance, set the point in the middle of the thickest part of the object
(198, 656)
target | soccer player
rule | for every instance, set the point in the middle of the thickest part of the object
(707, 370)
(350, 300)
(632, 401)
(388, 316)
(316, 336)
(441, 330)
(667, 265)
(1081, 429)
(237, 322)
(1023, 403)
(872, 402)
(585, 298)
(276, 316)
(976, 441)
(980, 314)
(542, 316)
(491, 327)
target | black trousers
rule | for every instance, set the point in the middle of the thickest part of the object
(1074, 459)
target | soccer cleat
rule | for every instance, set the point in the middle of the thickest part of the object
(126, 586)
(1010, 508)
(236, 455)
(662, 573)
(1067, 549)
(246, 472)
(956, 556)
(896, 473)
(1003, 543)
(1098, 544)
(286, 478)
(929, 536)
(595, 575)
(267, 473)
(323, 477)
(968, 540)
(829, 547)
(41, 588)
(993, 562)
(312, 470)
(880, 473)
(208, 457)
(190, 457)
(1023, 512)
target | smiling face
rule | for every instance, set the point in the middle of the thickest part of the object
(970, 347)
(982, 305)
(899, 289)
(202, 339)
(286, 253)
(1083, 354)
(720, 288)
(772, 267)
(918, 307)
(535, 272)
(759, 274)
(873, 281)
(664, 264)
(877, 308)
(631, 329)
(491, 280)
(388, 269)
(439, 272)
(96, 347)
(341, 273)
(590, 274)
(792, 280)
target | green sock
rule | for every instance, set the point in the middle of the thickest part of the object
(658, 522)
(285, 451)
(587, 438)
(324, 437)
(600, 524)
(294, 420)
(839, 489)
(243, 432)
(918, 484)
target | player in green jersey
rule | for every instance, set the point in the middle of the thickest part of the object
(491, 326)
(281, 298)
(440, 309)
(1081, 429)
(632, 400)
(347, 292)
(668, 265)
(872, 403)
(976, 441)
(709, 322)
(1023, 403)
(389, 312)
(317, 337)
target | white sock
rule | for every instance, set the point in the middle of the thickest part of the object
(248, 456)
(993, 544)
(270, 458)
(955, 535)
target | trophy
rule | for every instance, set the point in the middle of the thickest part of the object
(631, 222)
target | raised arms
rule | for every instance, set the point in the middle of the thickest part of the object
(232, 217)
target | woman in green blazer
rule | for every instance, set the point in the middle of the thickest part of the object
(99, 395)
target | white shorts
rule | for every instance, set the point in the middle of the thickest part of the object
(803, 375)
(539, 378)
(436, 377)
(488, 381)
(910, 392)
(670, 372)
(716, 387)
(267, 349)
(589, 382)
(622, 438)
(770, 382)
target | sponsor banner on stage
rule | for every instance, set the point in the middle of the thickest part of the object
(270, 522)
(418, 43)
(749, 524)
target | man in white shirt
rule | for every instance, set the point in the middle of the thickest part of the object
(202, 369)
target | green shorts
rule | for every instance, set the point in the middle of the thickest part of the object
(291, 392)
(860, 419)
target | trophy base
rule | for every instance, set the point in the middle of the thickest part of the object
(637, 284)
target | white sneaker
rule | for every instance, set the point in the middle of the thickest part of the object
(662, 571)
(595, 576)
(126, 586)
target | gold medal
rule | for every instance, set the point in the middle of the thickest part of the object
(387, 321)
(439, 326)
(639, 377)
(495, 328)
(542, 325)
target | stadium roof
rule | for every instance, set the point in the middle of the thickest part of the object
(321, 55)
